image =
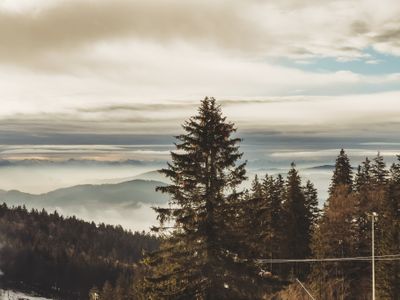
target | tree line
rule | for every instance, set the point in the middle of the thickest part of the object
(213, 234)
(216, 240)
(64, 257)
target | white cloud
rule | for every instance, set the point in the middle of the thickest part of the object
(330, 115)
(33, 32)
(55, 77)
(143, 72)
(330, 153)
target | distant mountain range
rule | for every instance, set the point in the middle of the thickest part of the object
(151, 175)
(129, 193)
(77, 162)
(322, 167)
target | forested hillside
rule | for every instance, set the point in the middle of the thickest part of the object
(223, 243)
(129, 194)
(216, 241)
(65, 257)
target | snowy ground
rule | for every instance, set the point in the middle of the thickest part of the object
(12, 295)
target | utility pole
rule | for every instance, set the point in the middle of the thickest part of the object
(373, 216)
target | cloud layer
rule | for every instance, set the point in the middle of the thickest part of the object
(339, 29)
(106, 71)
(69, 25)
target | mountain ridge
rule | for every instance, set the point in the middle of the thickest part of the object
(134, 191)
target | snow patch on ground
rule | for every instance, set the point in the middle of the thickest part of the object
(12, 295)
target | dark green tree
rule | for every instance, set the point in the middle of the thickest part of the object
(275, 231)
(311, 202)
(336, 236)
(256, 220)
(363, 175)
(43, 251)
(378, 170)
(371, 194)
(296, 221)
(256, 188)
(366, 195)
(388, 272)
(275, 204)
(343, 173)
(198, 258)
(263, 218)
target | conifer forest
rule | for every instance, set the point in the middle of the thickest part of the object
(217, 239)
(199, 150)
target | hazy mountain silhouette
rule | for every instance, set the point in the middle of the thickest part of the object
(322, 167)
(150, 175)
(131, 193)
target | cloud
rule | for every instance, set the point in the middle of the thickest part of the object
(340, 116)
(41, 35)
(108, 71)
(335, 115)
(70, 25)
(139, 107)
(373, 61)
(359, 153)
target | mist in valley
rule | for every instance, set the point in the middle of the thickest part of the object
(110, 192)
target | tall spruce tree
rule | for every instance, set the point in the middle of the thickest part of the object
(272, 212)
(256, 188)
(365, 192)
(388, 272)
(311, 202)
(336, 236)
(363, 175)
(198, 258)
(276, 211)
(255, 220)
(370, 191)
(276, 224)
(297, 224)
(378, 170)
(265, 232)
(343, 173)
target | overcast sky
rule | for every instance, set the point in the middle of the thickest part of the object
(115, 72)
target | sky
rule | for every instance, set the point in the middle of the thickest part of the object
(113, 80)
(93, 91)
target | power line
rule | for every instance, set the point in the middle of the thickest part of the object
(390, 257)
(302, 285)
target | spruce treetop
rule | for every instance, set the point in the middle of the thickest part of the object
(378, 170)
(197, 260)
(343, 173)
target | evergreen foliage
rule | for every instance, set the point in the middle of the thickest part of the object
(343, 173)
(345, 231)
(280, 218)
(311, 203)
(297, 224)
(363, 176)
(64, 257)
(378, 171)
(335, 237)
(389, 242)
(199, 258)
(212, 235)
(275, 197)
